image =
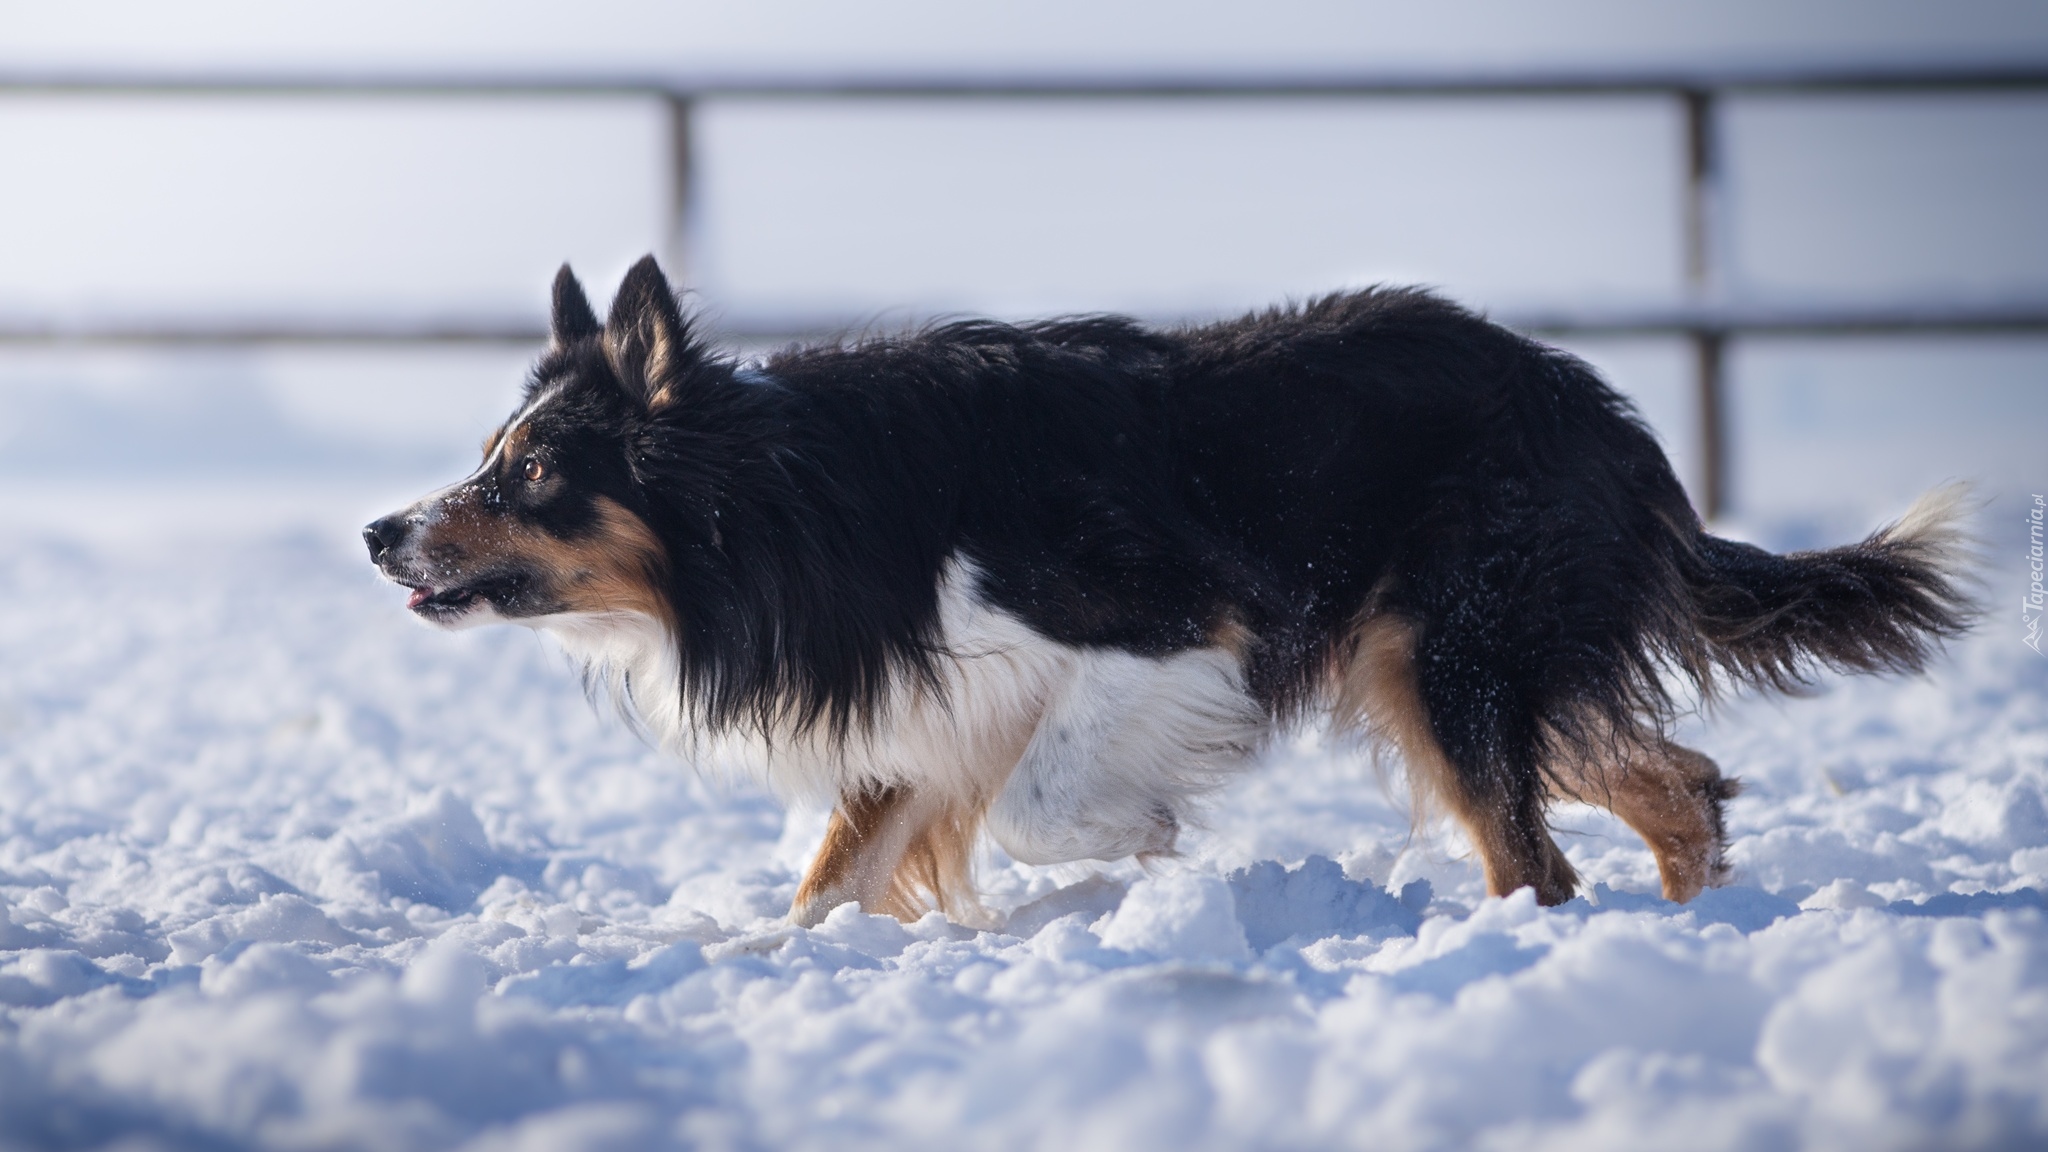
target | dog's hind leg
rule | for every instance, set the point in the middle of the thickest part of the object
(1672, 797)
(1449, 730)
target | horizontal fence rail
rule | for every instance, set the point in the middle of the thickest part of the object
(1801, 78)
(1706, 322)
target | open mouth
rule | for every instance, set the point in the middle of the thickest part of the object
(431, 601)
(449, 602)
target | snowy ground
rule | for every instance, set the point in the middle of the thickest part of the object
(281, 869)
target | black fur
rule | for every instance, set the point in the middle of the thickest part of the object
(1875, 606)
(1151, 490)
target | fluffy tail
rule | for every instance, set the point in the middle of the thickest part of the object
(1882, 605)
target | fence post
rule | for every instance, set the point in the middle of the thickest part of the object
(1709, 344)
(681, 191)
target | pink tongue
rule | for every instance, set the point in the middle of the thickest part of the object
(419, 596)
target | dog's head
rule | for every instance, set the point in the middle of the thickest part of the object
(554, 522)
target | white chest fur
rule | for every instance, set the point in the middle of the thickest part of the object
(1073, 753)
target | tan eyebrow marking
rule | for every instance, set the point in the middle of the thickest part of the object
(517, 424)
(515, 441)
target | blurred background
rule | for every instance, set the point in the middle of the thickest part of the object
(267, 266)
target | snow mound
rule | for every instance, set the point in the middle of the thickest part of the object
(1276, 903)
(1184, 916)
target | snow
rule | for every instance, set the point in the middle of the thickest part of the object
(281, 869)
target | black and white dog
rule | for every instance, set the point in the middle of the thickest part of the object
(1059, 580)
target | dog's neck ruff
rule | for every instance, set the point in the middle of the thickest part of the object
(630, 657)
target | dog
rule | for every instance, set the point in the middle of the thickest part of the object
(1058, 581)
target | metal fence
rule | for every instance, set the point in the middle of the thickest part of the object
(1707, 322)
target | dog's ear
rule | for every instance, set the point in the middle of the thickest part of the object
(572, 319)
(645, 337)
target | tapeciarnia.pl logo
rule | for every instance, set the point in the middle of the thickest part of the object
(2036, 599)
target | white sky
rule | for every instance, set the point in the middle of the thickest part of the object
(810, 36)
(156, 208)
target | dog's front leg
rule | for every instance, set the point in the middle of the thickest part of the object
(867, 838)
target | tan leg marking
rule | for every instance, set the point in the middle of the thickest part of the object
(1672, 797)
(1376, 692)
(890, 852)
(937, 868)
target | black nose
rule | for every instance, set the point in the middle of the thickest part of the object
(382, 534)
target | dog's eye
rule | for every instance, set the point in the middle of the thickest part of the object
(535, 470)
